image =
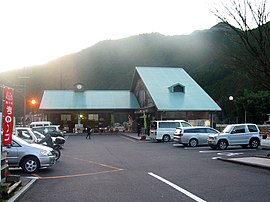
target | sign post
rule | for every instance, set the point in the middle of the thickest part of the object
(8, 115)
(7, 120)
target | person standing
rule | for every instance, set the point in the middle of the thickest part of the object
(139, 129)
(89, 131)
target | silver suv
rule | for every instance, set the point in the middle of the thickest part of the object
(237, 134)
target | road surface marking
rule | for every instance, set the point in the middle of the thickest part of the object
(187, 193)
(232, 150)
(113, 169)
(75, 175)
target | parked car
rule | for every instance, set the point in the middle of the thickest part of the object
(118, 128)
(39, 135)
(40, 123)
(54, 130)
(236, 134)
(164, 130)
(193, 136)
(30, 157)
(26, 134)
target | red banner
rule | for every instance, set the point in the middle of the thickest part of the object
(8, 115)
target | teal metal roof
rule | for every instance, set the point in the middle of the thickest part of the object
(159, 80)
(91, 99)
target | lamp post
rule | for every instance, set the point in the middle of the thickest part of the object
(33, 103)
(231, 99)
(24, 97)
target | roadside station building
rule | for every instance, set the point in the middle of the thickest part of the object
(156, 93)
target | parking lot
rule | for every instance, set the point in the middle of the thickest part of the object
(112, 167)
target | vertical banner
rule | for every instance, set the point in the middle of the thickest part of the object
(8, 115)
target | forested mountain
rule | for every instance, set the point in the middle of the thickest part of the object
(206, 55)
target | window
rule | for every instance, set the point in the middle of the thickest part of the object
(239, 129)
(24, 135)
(252, 128)
(174, 124)
(64, 117)
(185, 124)
(177, 88)
(209, 130)
(15, 144)
(190, 130)
(93, 117)
(164, 125)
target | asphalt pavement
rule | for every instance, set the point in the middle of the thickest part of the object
(256, 161)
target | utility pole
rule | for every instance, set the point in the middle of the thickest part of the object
(24, 97)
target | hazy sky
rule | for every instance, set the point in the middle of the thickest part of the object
(36, 31)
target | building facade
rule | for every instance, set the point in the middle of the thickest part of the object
(156, 93)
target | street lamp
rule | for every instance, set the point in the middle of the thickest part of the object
(231, 99)
(33, 102)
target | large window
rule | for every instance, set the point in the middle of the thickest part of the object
(65, 117)
(93, 117)
(169, 124)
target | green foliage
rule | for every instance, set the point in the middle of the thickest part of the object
(255, 104)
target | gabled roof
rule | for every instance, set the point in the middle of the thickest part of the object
(91, 99)
(158, 80)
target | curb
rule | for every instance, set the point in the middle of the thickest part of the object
(21, 191)
(252, 164)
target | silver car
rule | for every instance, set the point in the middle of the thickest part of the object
(30, 157)
(193, 136)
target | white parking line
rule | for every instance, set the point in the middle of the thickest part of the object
(187, 193)
(226, 151)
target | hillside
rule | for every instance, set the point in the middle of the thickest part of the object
(110, 64)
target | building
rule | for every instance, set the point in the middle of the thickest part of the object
(155, 93)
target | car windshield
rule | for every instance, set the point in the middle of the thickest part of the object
(227, 129)
(19, 140)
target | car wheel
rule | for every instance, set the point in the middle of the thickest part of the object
(193, 143)
(254, 143)
(166, 138)
(30, 165)
(222, 144)
(57, 153)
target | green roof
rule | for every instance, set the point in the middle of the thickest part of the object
(160, 80)
(90, 99)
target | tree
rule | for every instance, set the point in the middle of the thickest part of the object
(248, 18)
(253, 106)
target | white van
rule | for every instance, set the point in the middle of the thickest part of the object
(164, 130)
(40, 123)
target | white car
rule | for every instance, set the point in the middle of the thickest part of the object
(26, 134)
(236, 134)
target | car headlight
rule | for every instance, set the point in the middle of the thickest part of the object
(46, 153)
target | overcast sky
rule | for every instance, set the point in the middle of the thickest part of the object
(37, 31)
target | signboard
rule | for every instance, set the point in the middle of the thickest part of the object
(8, 115)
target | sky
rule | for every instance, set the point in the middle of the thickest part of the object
(36, 31)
